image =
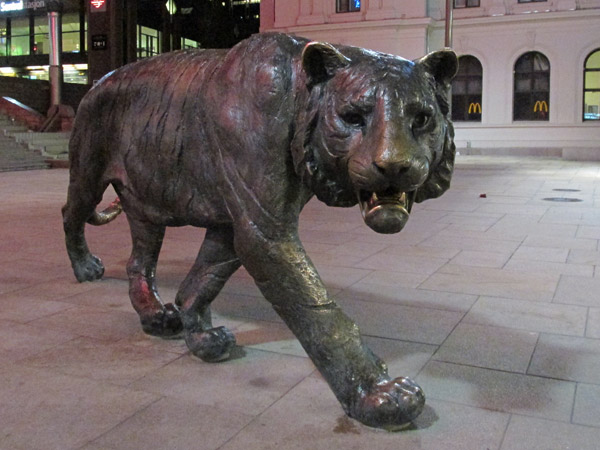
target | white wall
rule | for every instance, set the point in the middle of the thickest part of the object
(497, 33)
(498, 42)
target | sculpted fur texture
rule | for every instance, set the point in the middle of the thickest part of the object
(237, 142)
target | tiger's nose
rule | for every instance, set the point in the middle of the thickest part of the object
(405, 173)
(388, 167)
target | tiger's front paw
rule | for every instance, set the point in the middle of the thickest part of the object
(212, 345)
(390, 404)
(165, 323)
(88, 268)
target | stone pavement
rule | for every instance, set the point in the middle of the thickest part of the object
(491, 302)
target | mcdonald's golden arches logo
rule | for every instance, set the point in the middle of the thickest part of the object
(540, 105)
(475, 108)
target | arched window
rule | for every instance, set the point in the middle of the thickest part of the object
(591, 86)
(531, 99)
(466, 90)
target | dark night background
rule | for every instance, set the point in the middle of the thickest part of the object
(214, 24)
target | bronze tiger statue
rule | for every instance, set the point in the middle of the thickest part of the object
(237, 141)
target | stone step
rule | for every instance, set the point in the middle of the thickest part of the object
(18, 155)
(32, 136)
(15, 157)
(12, 128)
(55, 150)
(26, 166)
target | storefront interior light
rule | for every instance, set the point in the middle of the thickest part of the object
(7, 70)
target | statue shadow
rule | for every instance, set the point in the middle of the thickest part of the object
(237, 352)
(425, 420)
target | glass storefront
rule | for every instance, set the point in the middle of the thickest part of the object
(71, 34)
(25, 44)
(148, 42)
(29, 35)
(40, 37)
(3, 40)
(19, 36)
(25, 35)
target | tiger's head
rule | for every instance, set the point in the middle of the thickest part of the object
(375, 129)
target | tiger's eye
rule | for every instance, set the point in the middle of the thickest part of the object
(353, 119)
(421, 120)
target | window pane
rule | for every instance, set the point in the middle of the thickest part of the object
(541, 83)
(3, 40)
(20, 27)
(466, 3)
(466, 90)
(71, 33)
(20, 36)
(41, 44)
(540, 63)
(592, 80)
(522, 106)
(70, 42)
(70, 22)
(19, 46)
(459, 108)
(148, 42)
(347, 5)
(188, 43)
(474, 86)
(470, 65)
(40, 27)
(591, 106)
(459, 87)
(524, 63)
(593, 61)
(522, 84)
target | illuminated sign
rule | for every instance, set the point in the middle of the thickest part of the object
(475, 108)
(19, 5)
(540, 106)
(12, 6)
(97, 5)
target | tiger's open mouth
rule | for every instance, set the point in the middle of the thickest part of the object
(386, 212)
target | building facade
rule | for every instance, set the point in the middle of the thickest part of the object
(24, 39)
(98, 36)
(530, 69)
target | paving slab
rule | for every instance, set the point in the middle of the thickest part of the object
(489, 303)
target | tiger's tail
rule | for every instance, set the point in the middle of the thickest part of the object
(107, 215)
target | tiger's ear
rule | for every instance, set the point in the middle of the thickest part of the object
(442, 64)
(321, 61)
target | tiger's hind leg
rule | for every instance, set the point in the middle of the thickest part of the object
(83, 196)
(157, 319)
(215, 263)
